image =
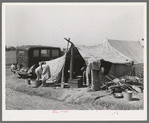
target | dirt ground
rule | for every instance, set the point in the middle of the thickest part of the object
(20, 101)
(21, 96)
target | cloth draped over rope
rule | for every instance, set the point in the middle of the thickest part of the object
(56, 66)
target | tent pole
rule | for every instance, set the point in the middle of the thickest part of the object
(114, 69)
(71, 58)
(71, 63)
(62, 79)
(68, 40)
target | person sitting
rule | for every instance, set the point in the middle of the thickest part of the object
(13, 68)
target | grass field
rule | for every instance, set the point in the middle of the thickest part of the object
(10, 57)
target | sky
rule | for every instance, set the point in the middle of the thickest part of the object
(83, 23)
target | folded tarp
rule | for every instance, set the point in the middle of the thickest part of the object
(102, 51)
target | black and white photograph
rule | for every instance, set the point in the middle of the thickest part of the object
(74, 61)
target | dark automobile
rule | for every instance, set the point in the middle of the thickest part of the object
(29, 55)
(26, 56)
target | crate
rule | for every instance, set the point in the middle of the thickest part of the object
(75, 83)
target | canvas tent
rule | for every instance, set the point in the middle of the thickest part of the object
(102, 51)
(116, 57)
(133, 50)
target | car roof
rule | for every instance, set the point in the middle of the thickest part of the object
(27, 47)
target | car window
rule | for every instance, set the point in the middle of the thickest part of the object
(45, 53)
(36, 53)
(55, 53)
(21, 52)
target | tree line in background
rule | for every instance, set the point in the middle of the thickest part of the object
(10, 48)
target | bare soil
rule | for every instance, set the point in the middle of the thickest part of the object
(21, 96)
(20, 101)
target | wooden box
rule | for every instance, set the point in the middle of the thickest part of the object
(75, 83)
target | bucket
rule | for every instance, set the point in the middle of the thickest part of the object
(36, 83)
(127, 95)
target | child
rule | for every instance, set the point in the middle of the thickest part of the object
(13, 68)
